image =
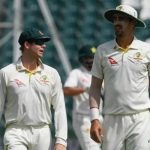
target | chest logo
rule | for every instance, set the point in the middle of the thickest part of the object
(112, 61)
(85, 80)
(44, 79)
(19, 83)
(138, 56)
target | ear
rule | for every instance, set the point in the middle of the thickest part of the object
(133, 21)
(27, 44)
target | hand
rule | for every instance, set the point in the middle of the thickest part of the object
(96, 131)
(59, 147)
(87, 89)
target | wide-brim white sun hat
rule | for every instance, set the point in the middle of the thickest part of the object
(127, 10)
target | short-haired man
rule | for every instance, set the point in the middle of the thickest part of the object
(124, 65)
(28, 90)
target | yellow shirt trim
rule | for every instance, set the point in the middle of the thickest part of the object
(124, 50)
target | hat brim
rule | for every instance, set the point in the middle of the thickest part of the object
(43, 38)
(109, 16)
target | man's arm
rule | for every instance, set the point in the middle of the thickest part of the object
(71, 87)
(59, 147)
(2, 93)
(94, 102)
(60, 116)
(72, 91)
(149, 86)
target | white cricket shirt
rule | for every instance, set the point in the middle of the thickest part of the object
(26, 99)
(80, 77)
(126, 76)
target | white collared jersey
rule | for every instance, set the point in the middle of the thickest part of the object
(126, 76)
(80, 77)
(26, 99)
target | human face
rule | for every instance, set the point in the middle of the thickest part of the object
(123, 25)
(36, 49)
(87, 62)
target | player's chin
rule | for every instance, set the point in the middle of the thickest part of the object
(40, 55)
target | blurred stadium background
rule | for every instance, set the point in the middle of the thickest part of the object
(71, 23)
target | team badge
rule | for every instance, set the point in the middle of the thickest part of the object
(40, 32)
(120, 8)
(138, 56)
(93, 50)
(87, 130)
(19, 67)
(44, 79)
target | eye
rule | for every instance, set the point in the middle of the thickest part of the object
(39, 42)
(120, 18)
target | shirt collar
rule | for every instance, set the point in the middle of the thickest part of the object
(134, 45)
(84, 69)
(20, 67)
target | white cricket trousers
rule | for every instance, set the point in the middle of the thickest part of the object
(27, 138)
(81, 126)
(127, 132)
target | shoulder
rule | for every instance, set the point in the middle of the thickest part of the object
(106, 45)
(50, 70)
(105, 48)
(76, 71)
(52, 74)
(142, 44)
(7, 71)
(8, 68)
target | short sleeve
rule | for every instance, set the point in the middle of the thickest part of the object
(72, 80)
(97, 69)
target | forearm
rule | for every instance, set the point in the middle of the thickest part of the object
(3, 88)
(94, 101)
(60, 119)
(61, 127)
(95, 92)
(94, 98)
(59, 147)
(72, 91)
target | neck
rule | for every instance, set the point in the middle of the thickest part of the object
(124, 42)
(30, 64)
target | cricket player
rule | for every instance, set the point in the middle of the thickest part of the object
(77, 85)
(124, 65)
(28, 91)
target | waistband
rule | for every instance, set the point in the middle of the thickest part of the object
(26, 126)
(133, 113)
